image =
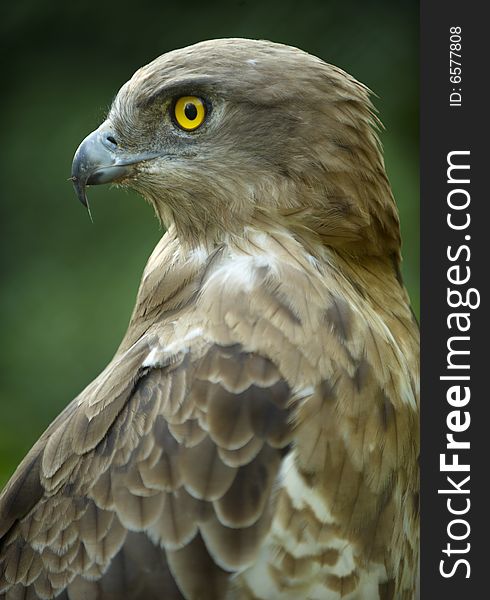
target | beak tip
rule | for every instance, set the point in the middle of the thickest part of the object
(80, 190)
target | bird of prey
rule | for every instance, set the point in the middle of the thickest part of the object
(256, 434)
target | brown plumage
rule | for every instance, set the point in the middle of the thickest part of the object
(256, 434)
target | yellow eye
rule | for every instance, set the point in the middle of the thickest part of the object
(189, 112)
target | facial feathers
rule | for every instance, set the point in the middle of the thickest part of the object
(286, 132)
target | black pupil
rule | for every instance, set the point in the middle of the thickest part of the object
(190, 111)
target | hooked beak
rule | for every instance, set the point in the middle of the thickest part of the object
(99, 160)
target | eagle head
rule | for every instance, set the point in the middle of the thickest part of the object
(219, 132)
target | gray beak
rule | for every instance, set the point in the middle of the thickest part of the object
(99, 160)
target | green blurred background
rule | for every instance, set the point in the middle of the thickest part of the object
(68, 285)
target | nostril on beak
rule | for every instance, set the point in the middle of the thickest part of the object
(111, 140)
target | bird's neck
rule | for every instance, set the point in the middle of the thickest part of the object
(175, 272)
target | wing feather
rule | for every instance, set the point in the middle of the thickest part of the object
(185, 454)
